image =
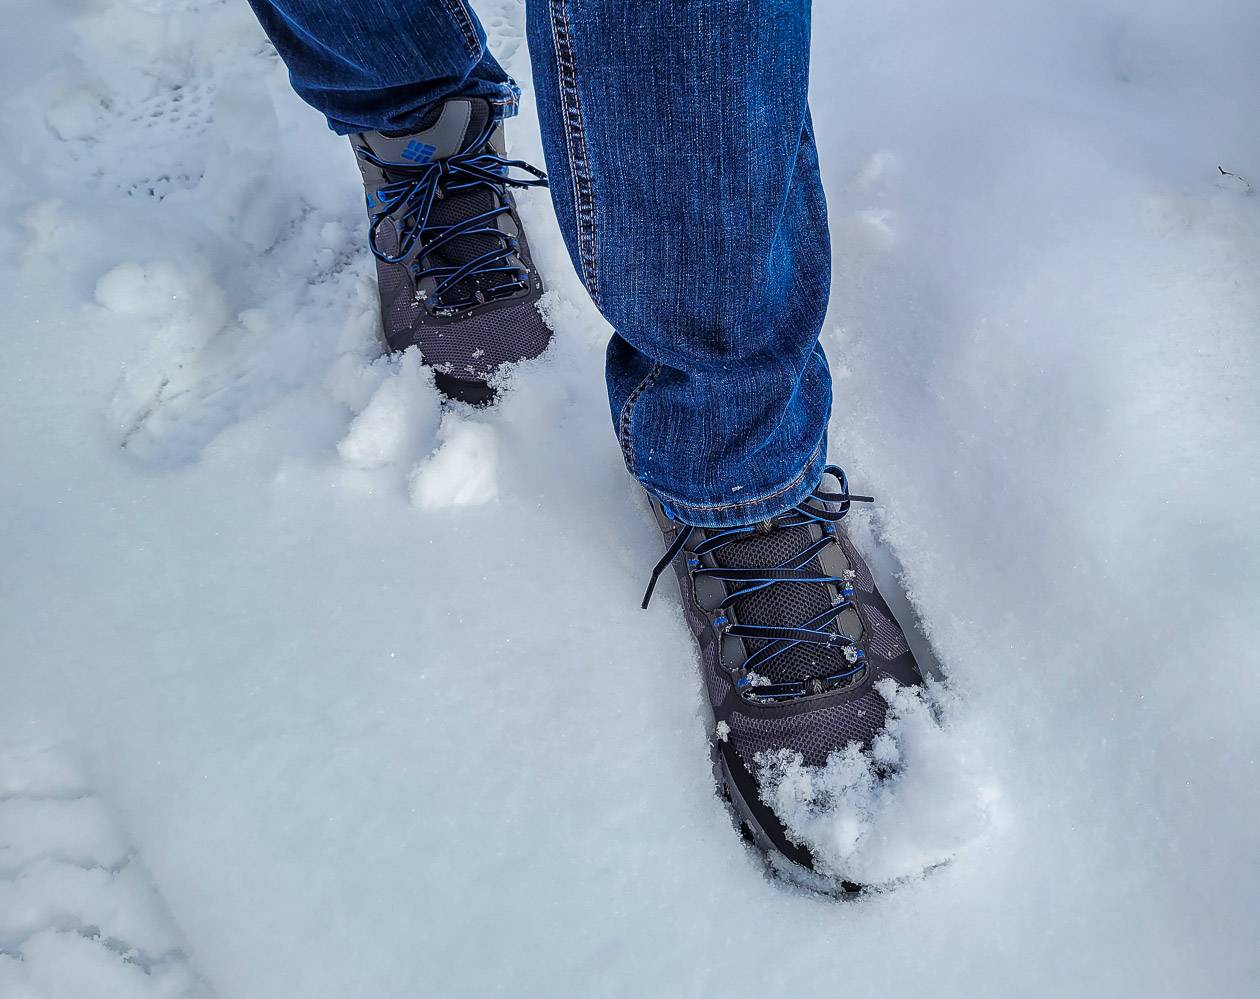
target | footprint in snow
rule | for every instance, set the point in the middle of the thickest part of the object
(79, 915)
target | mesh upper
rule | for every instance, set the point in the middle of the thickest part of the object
(392, 279)
(814, 734)
(469, 346)
(450, 210)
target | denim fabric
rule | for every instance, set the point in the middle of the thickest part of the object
(685, 177)
(378, 65)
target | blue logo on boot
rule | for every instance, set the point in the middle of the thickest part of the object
(418, 152)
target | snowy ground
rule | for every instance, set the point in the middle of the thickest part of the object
(311, 690)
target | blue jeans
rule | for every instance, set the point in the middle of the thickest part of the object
(685, 177)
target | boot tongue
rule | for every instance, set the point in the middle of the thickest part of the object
(783, 604)
(450, 128)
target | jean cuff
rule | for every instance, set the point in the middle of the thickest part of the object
(504, 98)
(507, 102)
(755, 509)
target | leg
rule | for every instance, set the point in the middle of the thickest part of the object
(378, 65)
(684, 173)
(412, 83)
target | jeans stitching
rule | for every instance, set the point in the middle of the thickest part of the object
(575, 139)
(675, 501)
(627, 415)
(459, 14)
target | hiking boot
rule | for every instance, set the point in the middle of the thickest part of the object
(452, 263)
(793, 638)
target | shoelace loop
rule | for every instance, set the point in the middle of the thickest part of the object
(822, 507)
(414, 188)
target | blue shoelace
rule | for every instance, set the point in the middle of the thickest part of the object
(415, 188)
(778, 639)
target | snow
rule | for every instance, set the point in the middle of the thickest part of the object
(402, 414)
(920, 797)
(464, 469)
(359, 684)
(79, 916)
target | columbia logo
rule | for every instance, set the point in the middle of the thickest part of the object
(418, 152)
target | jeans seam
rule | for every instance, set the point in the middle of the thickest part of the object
(718, 507)
(575, 139)
(458, 12)
(627, 415)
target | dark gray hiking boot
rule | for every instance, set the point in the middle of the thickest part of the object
(793, 637)
(453, 265)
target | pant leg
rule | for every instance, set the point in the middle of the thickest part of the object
(684, 173)
(378, 65)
